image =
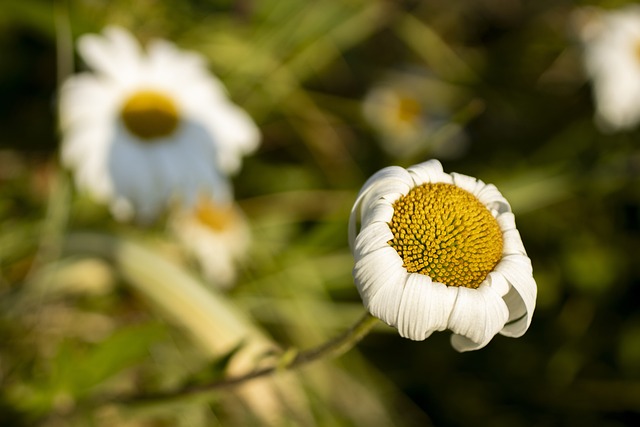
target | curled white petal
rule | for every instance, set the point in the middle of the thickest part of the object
(429, 172)
(392, 179)
(375, 271)
(469, 183)
(518, 272)
(478, 315)
(425, 307)
(489, 196)
(506, 221)
(512, 243)
(372, 237)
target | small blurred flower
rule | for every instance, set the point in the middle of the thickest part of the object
(146, 127)
(217, 236)
(611, 43)
(440, 251)
(410, 112)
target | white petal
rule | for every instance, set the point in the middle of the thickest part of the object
(385, 303)
(85, 150)
(87, 98)
(116, 53)
(493, 199)
(517, 314)
(468, 183)
(478, 315)
(498, 283)
(206, 176)
(518, 272)
(425, 307)
(381, 211)
(392, 179)
(429, 172)
(168, 64)
(372, 237)
(376, 270)
(133, 177)
(512, 243)
(506, 221)
(81, 142)
(170, 169)
(233, 131)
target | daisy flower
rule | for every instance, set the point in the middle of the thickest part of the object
(217, 236)
(411, 115)
(436, 251)
(611, 45)
(147, 126)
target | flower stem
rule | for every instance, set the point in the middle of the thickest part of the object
(330, 349)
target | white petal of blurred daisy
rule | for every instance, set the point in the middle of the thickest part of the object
(217, 236)
(148, 126)
(436, 251)
(611, 43)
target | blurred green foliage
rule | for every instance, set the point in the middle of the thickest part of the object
(302, 69)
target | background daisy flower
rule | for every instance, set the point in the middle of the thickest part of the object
(611, 44)
(412, 114)
(438, 251)
(147, 126)
(217, 236)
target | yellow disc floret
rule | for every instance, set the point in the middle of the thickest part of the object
(149, 114)
(446, 233)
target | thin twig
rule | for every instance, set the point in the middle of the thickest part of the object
(330, 349)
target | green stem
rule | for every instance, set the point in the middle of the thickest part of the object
(331, 349)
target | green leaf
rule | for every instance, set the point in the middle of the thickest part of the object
(121, 350)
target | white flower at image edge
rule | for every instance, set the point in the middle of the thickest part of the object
(146, 127)
(436, 251)
(611, 42)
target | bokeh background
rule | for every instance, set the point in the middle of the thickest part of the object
(501, 95)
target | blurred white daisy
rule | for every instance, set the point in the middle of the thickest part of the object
(411, 114)
(436, 251)
(217, 236)
(611, 44)
(147, 126)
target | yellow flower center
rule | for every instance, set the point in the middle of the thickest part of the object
(444, 232)
(216, 217)
(636, 49)
(149, 114)
(408, 109)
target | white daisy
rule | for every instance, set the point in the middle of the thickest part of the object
(436, 251)
(611, 43)
(411, 115)
(146, 126)
(217, 236)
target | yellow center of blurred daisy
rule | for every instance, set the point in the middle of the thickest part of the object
(636, 48)
(149, 114)
(444, 232)
(216, 217)
(408, 109)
